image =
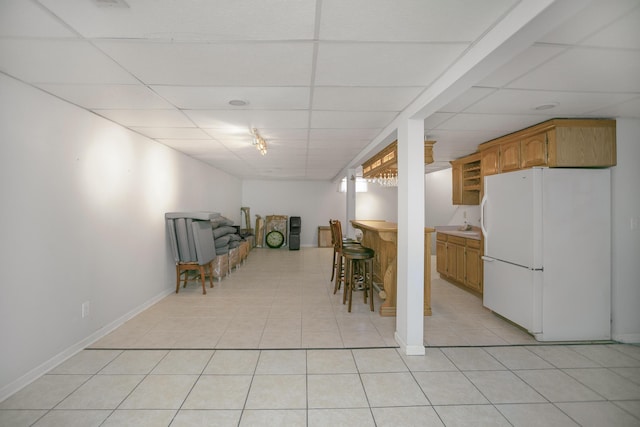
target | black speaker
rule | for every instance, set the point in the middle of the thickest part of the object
(294, 242)
(295, 225)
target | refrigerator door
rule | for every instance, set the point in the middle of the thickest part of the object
(577, 254)
(510, 292)
(510, 224)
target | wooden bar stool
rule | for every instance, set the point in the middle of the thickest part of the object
(338, 244)
(358, 261)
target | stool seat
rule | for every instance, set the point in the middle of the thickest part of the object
(358, 252)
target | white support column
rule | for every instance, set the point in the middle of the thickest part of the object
(351, 202)
(410, 261)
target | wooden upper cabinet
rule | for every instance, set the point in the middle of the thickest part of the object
(582, 143)
(510, 156)
(534, 150)
(490, 161)
(466, 180)
(571, 143)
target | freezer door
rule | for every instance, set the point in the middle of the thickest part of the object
(509, 290)
(509, 222)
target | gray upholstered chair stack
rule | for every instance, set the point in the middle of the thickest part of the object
(192, 244)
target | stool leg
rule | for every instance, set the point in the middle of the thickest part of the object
(177, 278)
(333, 272)
(351, 281)
(338, 273)
(370, 264)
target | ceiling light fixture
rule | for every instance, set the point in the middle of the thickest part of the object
(546, 106)
(259, 142)
(238, 102)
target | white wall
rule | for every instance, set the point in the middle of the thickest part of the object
(439, 209)
(315, 202)
(378, 203)
(82, 220)
(625, 239)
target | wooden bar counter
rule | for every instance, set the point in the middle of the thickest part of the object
(382, 237)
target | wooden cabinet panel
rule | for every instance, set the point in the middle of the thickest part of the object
(474, 269)
(510, 156)
(441, 256)
(490, 161)
(534, 151)
(456, 178)
(460, 266)
(452, 260)
(588, 144)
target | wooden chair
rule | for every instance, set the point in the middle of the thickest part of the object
(193, 247)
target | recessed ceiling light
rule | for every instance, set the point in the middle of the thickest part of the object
(238, 102)
(111, 3)
(546, 106)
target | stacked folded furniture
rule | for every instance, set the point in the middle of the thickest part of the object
(202, 241)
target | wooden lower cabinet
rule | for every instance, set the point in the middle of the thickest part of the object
(459, 260)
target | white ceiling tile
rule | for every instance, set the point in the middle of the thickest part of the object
(208, 20)
(409, 20)
(624, 34)
(198, 97)
(512, 101)
(20, 18)
(435, 119)
(194, 146)
(59, 61)
(521, 64)
(490, 122)
(364, 98)
(377, 64)
(596, 15)
(343, 134)
(586, 69)
(350, 119)
(147, 118)
(172, 133)
(467, 99)
(238, 119)
(108, 96)
(629, 109)
(218, 64)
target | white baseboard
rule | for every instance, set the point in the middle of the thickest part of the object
(45, 367)
(627, 338)
(409, 350)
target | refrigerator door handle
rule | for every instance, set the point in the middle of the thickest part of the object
(484, 202)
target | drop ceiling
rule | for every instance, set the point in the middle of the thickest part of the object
(326, 82)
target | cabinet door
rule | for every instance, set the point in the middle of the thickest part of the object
(460, 266)
(489, 162)
(441, 257)
(456, 178)
(510, 156)
(474, 269)
(452, 261)
(534, 151)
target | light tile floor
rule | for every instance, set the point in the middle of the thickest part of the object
(595, 385)
(284, 299)
(195, 360)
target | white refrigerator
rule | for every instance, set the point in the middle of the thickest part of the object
(547, 251)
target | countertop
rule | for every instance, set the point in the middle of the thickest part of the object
(381, 225)
(474, 233)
